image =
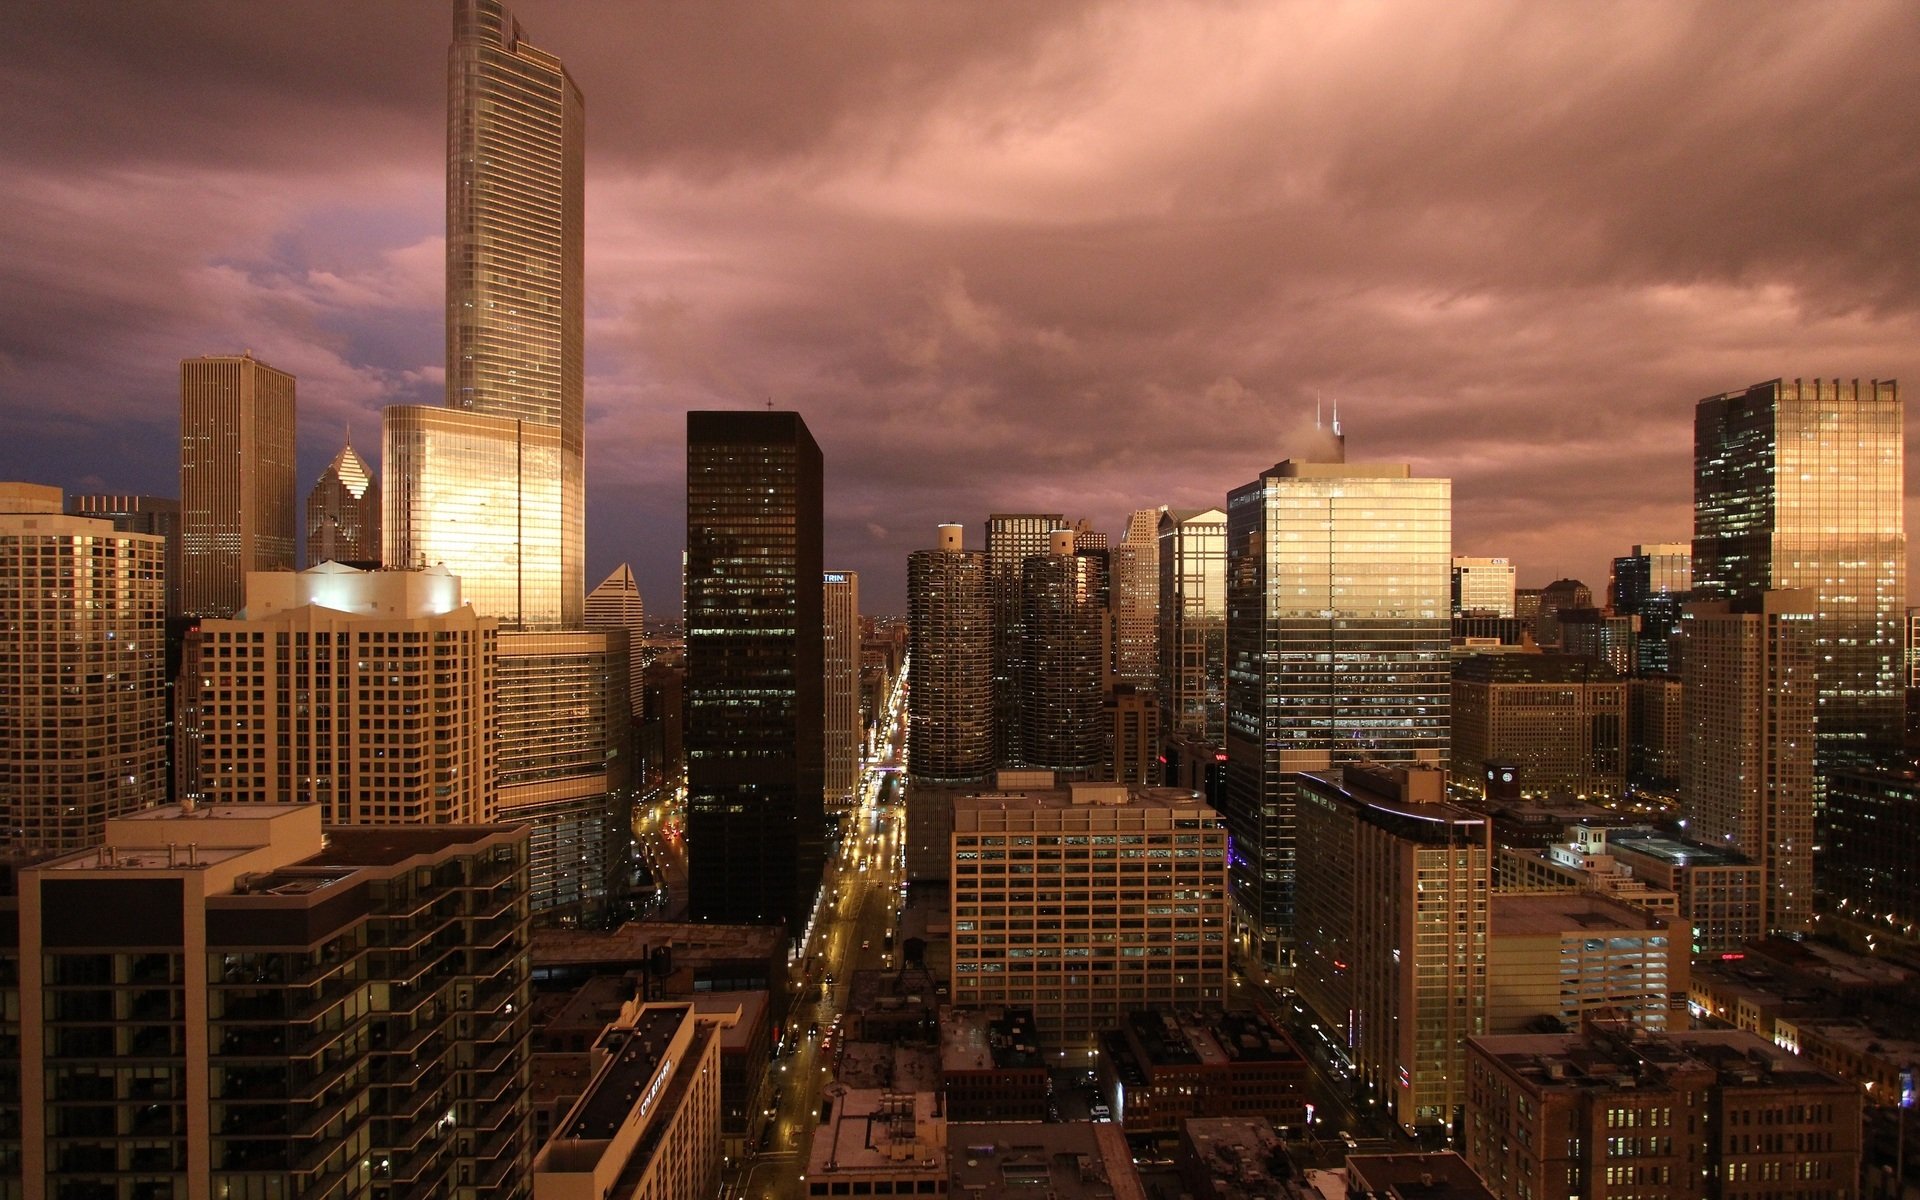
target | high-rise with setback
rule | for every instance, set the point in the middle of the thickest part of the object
(755, 668)
(236, 478)
(493, 486)
(616, 604)
(343, 513)
(1799, 484)
(1338, 635)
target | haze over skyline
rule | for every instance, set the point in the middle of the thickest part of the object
(1075, 257)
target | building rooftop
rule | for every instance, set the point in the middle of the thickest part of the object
(1532, 913)
(1441, 1175)
(972, 1040)
(1672, 851)
(1080, 796)
(1610, 1060)
(1074, 1161)
(873, 1132)
(1241, 1154)
(1533, 668)
(630, 944)
(638, 1055)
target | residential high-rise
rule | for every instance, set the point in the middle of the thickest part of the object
(1193, 624)
(82, 673)
(755, 668)
(1062, 659)
(493, 486)
(1338, 650)
(1749, 696)
(369, 693)
(343, 513)
(840, 608)
(1798, 484)
(1483, 585)
(232, 1001)
(157, 515)
(1134, 597)
(615, 604)
(950, 697)
(1393, 920)
(1012, 538)
(236, 478)
(1079, 958)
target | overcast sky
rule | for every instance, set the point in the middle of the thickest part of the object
(1003, 257)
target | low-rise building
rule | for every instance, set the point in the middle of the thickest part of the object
(1581, 863)
(879, 1143)
(1439, 1175)
(1162, 1067)
(1885, 1063)
(1231, 1158)
(1077, 1161)
(991, 1067)
(1568, 955)
(1721, 892)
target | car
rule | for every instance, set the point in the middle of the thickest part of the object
(1349, 1141)
(813, 1030)
(866, 945)
(830, 979)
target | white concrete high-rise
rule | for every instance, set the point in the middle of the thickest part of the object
(1483, 585)
(841, 621)
(615, 604)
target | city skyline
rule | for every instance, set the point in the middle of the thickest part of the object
(997, 257)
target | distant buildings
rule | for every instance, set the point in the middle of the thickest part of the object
(83, 706)
(1338, 637)
(156, 515)
(1134, 601)
(236, 478)
(1012, 538)
(616, 604)
(1651, 584)
(343, 513)
(841, 625)
(1559, 719)
(950, 694)
(1483, 585)
(755, 669)
(1193, 623)
(1062, 658)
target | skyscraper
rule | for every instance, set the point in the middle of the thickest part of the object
(82, 673)
(343, 513)
(841, 651)
(493, 487)
(1193, 624)
(1135, 601)
(755, 667)
(615, 604)
(950, 695)
(157, 515)
(1750, 681)
(1338, 636)
(1652, 583)
(1012, 538)
(1062, 622)
(236, 478)
(1799, 484)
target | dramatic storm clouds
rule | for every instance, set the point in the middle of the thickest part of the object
(1070, 257)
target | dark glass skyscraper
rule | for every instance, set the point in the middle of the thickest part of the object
(1798, 484)
(755, 734)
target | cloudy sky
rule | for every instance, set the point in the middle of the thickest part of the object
(1078, 257)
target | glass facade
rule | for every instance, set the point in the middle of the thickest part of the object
(343, 513)
(755, 733)
(1193, 624)
(1339, 591)
(236, 478)
(1799, 484)
(1135, 567)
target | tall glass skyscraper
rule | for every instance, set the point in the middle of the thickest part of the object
(495, 487)
(1193, 624)
(236, 478)
(1798, 484)
(1339, 602)
(755, 733)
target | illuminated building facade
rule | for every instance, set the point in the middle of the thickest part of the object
(1012, 539)
(1750, 695)
(157, 515)
(236, 478)
(1483, 585)
(83, 704)
(1193, 623)
(1866, 863)
(950, 694)
(1134, 566)
(1062, 623)
(755, 733)
(1798, 484)
(1338, 650)
(616, 604)
(343, 513)
(1560, 719)
(369, 693)
(840, 608)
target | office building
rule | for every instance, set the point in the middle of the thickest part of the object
(1087, 901)
(1134, 567)
(1393, 900)
(1557, 597)
(1193, 623)
(230, 1001)
(565, 763)
(1678, 1116)
(1560, 720)
(1338, 638)
(1161, 1068)
(1062, 658)
(1750, 700)
(369, 693)
(878, 1142)
(156, 515)
(755, 673)
(1722, 894)
(1866, 865)
(1580, 862)
(1656, 731)
(840, 609)
(1569, 956)
(648, 1123)
(83, 704)
(1012, 539)
(1131, 717)
(950, 686)
(1483, 585)
(236, 478)
(1651, 584)
(1798, 484)
(343, 513)
(493, 486)
(615, 604)
(1598, 634)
